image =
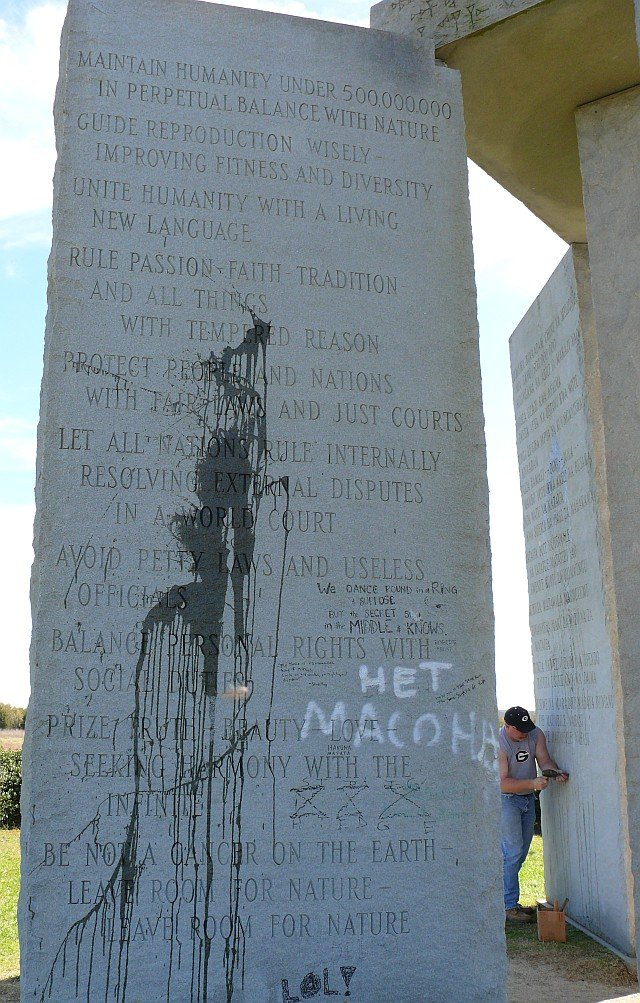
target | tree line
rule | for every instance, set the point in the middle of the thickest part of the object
(12, 717)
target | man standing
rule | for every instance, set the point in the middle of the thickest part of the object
(522, 745)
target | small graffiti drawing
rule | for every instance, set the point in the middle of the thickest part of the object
(349, 812)
(305, 807)
(405, 804)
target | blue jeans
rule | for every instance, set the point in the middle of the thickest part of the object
(518, 819)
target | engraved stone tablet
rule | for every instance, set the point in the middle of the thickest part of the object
(261, 751)
(609, 139)
(558, 421)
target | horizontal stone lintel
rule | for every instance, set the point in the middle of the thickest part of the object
(526, 67)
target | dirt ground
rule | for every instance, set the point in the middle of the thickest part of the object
(542, 981)
(526, 982)
(10, 991)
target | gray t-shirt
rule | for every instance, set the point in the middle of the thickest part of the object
(521, 756)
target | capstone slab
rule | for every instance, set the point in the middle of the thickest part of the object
(262, 738)
(574, 642)
(445, 20)
(523, 76)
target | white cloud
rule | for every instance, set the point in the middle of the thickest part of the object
(29, 54)
(28, 230)
(514, 667)
(512, 247)
(515, 253)
(17, 446)
(16, 533)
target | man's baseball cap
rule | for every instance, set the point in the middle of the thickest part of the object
(519, 718)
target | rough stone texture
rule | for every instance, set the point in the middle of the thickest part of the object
(261, 743)
(609, 138)
(445, 20)
(572, 610)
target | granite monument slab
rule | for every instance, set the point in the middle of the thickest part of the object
(573, 624)
(261, 743)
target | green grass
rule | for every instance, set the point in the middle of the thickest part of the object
(9, 885)
(532, 874)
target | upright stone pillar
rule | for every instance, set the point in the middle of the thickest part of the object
(261, 744)
(609, 138)
(526, 68)
(572, 609)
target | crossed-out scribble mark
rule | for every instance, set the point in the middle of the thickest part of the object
(305, 807)
(405, 803)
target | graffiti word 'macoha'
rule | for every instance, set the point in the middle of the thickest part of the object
(478, 738)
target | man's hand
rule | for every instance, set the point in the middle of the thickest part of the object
(555, 774)
(540, 784)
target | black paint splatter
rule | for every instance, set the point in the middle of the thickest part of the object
(176, 752)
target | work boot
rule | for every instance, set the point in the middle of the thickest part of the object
(515, 916)
(528, 909)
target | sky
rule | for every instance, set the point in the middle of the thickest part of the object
(514, 254)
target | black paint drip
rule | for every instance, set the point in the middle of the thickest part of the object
(177, 678)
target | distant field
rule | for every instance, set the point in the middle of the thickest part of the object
(11, 738)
